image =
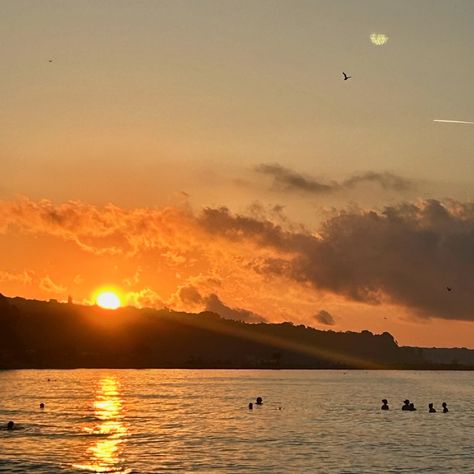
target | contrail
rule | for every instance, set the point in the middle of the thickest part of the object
(453, 121)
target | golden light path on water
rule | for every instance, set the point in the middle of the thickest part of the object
(105, 453)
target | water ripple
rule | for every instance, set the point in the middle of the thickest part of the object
(148, 421)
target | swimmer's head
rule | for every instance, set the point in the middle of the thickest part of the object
(10, 425)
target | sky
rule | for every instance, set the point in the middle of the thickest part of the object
(210, 155)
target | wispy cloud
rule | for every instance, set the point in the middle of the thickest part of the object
(284, 178)
(25, 277)
(107, 230)
(465, 122)
(289, 180)
(385, 180)
(49, 286)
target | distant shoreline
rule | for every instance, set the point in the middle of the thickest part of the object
(50, 335)
(339, 369)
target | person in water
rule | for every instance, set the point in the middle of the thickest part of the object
(41, 405)
(406, 405)
(430, 408)
(259, 401)
(250, 406)
(10, 426)
(445, 407)
(412, 407)
(385, 405)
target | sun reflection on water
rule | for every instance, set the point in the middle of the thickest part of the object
(105, 453)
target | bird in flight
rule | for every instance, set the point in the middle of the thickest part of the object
(346, 76)
(449, 288)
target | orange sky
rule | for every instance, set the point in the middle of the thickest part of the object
(175, 257)
(209, 155)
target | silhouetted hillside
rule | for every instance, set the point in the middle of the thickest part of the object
(36, 334)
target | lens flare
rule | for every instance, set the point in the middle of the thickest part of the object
(379, 39)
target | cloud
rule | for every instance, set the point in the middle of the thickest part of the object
(134, 279)
(78, 279)
(387, 181)
(145, 298)
(103, 231)
(214, 304)
(285, 179)
(325, 318)
(49, 286)
(24, 278)
(405, 254)
(288, 180)
(190, 297)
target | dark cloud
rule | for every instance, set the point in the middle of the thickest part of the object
(214, 304)
(288, 180)
(406, 254)
(325, 318)
(221, 222)
(190, 296)
(386, 180)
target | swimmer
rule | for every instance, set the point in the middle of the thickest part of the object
(445, 407)
(385, 405)
(406, 405)
(41, 405)
(250, 406)
(259, 401)
(11, 426)
(430, 408)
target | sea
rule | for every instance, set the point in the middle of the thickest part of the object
(315, 421)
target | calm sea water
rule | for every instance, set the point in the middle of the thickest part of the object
(135, 421)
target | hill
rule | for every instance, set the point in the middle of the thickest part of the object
(38, 334)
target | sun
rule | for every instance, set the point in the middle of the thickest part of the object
(108, 300)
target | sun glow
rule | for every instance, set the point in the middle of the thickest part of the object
(108, 300)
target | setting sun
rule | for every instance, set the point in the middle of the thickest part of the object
(108, 300)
